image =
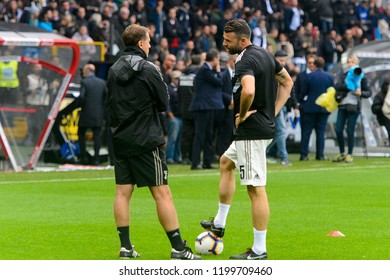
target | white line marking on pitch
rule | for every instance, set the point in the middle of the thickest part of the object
(200, 174)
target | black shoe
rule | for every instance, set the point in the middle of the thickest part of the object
(125, 254)
(197, 167)
(185, 254)
(208, 167)
(84, 161)
(250, 255)
(186, 161)
(96, 160)
(303, 158)
(209, 226)
(322, 158)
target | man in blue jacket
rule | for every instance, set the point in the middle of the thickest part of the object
(315, 116)
(206, 100)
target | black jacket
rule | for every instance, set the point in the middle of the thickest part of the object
(207, 90)
(136, 94)
(342, 90)
(185, 90)
(93, 93)
(376, 107)
(227, 87)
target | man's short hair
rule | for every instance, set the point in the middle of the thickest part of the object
(224, 56)
(319, 62)
(239, 27)
(133, 34)
(196, 59)
(211, 54)
(90, 68)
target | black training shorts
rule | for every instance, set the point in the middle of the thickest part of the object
(146, 169)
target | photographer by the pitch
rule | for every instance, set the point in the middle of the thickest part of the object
(352, 89)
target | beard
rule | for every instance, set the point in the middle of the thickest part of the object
(234, 50)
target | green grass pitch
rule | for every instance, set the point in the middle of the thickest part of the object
(69, 216)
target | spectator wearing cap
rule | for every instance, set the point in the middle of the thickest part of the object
(278, 145)
(174, 121)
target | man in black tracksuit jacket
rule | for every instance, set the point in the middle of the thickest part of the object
(136, 94)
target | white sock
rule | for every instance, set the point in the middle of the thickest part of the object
(259, 244)
(220, 218)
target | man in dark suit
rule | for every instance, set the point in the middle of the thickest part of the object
(224, 127)
(315, 116)
(300, 85)
(206, 100)
(91, 100)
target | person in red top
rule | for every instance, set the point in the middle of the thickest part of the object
(173, 31)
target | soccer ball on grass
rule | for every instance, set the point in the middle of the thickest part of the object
(208, 244)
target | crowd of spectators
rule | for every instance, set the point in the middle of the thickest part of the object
(181, 30)
(326, 28)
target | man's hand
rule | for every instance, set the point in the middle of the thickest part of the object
(242, 119)
(358, 92)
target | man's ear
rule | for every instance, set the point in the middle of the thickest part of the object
(242, 40)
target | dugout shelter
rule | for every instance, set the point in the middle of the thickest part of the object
(36, 67)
